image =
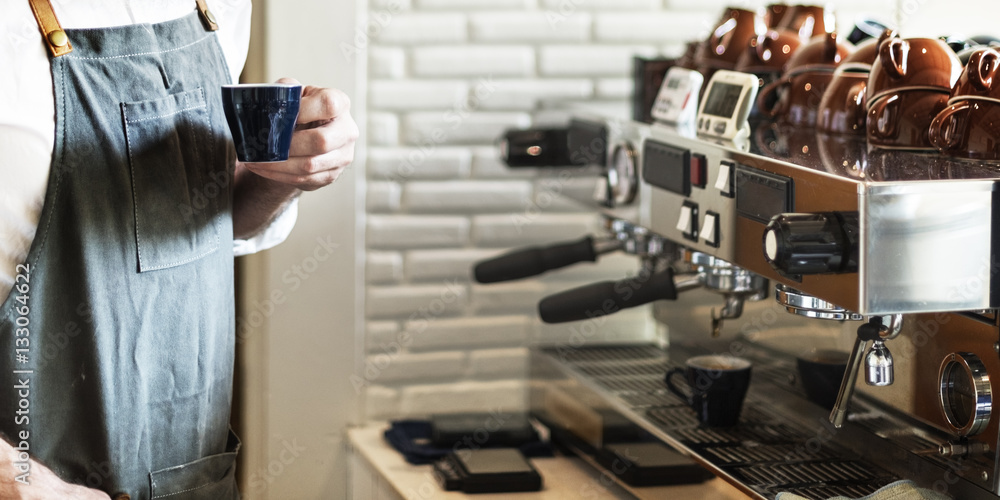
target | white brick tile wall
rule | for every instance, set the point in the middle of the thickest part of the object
(381, 402)
(525, 94)
(416, 94)
(575, 60)
(436, 265)
(447, 77)
(383, 129)
(416, 367)
(529, 27)
(473, 61)
(468, 196)
(517, 297)
(386, 62)
(567, 8)
(646, 27)
(475, 4)
(383, 267)
(530, 227)
(627, 325)
(456, 126)
(380, 335)
(498, 363)
(400, 231)
(614, 88)
(426, 161)
(410, 28)
(444, 299)
(469, 332)
(383, 197)
(504, 395)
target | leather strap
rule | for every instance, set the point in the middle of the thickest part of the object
(53, 34)
(206, 16)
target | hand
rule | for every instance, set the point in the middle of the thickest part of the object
(43, 483)
(322, 145)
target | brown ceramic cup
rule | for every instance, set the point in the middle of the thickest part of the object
(901, 119)
(806, 20)
(727, 41)
(842, 108)
(769, 52)
(968, 129)
(866, 51)
(979, 78)
(801, 88)
(912, 63)
(843, 155)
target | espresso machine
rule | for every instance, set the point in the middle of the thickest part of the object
(888, 252)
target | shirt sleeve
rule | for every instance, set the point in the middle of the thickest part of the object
(272, 235)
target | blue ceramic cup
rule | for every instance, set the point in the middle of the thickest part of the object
(262, 118)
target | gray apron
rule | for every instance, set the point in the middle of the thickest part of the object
(124, 310)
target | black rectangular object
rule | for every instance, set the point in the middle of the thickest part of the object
(666, 167)
(761, 195)
(650, 464)
(487, 470)
(587, 143)
(481, 429)
(647, 77)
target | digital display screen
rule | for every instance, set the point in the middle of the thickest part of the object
(722, 99)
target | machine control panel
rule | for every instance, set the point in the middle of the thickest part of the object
(761, 195)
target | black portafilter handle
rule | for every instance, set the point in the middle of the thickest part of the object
(533, 261)
(607, 297)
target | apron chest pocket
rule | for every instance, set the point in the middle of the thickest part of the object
(174, 185)
(210, 478)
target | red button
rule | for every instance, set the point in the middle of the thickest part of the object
(698, 170)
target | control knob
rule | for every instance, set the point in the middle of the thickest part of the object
(818, 243)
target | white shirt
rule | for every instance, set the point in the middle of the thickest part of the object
(27, 108)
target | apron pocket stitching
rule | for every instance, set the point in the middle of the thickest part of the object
(185, 491)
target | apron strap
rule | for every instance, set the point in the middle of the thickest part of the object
(52, 32)
(58, 42)
(206, 16)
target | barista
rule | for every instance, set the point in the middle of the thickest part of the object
(121, 204)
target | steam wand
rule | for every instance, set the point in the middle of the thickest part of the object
(878, 361)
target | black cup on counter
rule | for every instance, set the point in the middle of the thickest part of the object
(821, 371)
(718, 384)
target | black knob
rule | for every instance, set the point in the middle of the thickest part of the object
(817, 243)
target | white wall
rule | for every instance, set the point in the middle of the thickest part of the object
(300, 334)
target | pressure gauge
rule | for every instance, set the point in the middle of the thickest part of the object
(622, 176)
(965, 397)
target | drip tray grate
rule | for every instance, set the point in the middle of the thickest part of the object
(810, 473)
(752, 455)
(824, 492)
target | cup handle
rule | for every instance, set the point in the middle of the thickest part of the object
(673, 388)
(982, 66)
(856, 103)
(944, 130)
(893, 64)
(766, 104)
(883, 114)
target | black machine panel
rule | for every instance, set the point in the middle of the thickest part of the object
(761, 195)
(666, 167)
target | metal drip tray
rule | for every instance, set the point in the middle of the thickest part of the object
(771, 450)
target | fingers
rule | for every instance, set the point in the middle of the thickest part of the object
(319, 104)
(307, 173)
(327, 137)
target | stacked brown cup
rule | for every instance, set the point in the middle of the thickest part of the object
(910, 83)
(806, 77)
(969, 127)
